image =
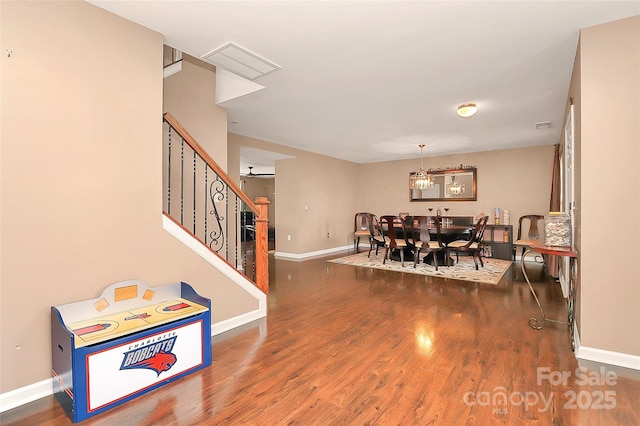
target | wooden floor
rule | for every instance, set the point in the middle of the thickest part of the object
(353, 346)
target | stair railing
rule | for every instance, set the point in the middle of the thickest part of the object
(202, 199)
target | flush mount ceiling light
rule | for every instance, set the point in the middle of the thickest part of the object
(467, 110)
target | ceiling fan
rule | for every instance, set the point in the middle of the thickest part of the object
(251, 174)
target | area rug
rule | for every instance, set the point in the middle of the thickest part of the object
(465, 270)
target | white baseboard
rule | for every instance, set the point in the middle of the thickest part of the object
(30, 393)
(231, 323)
(44, 388)
(310, 255)
(607, 357)
(23, 395)
(531, 258)
(200, 249)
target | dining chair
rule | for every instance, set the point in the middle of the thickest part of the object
(472, 246)
(376, 237)
(361, 228)
(424, 243)
(533, 233)
(392, 242)
(411, 236)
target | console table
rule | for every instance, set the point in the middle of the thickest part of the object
(573, 258)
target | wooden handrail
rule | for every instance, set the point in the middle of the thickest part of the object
(259, 208)
(210, 161)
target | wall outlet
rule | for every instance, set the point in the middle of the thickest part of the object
(328, 235)
(288, 237)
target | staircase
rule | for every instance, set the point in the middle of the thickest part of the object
(202, 200)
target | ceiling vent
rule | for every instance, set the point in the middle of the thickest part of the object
(240, 61)
(543, 125)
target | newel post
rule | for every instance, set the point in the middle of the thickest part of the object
(262, 244)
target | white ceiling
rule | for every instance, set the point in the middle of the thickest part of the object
(261, 161)
(368, 81)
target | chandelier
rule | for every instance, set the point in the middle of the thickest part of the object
(420, 179)
(455, 188)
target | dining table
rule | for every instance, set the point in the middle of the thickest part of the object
(448, 233)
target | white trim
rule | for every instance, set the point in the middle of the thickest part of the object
(530, 258)
(324, 252)
(30, 393)
(26, 394)
(564, 284)
(231, 323)
(604, 356)
(171, 227)
(569, 203)
(44, 388)
(608, 357)
(172, 69)
(310, 255)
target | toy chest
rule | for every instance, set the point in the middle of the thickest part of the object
(132, 339)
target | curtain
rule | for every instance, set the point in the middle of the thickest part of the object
(554, 205)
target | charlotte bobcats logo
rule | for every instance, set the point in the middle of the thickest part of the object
(156, 356)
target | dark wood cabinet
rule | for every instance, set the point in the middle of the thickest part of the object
(498, 242)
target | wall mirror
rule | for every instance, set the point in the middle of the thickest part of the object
(449, 185)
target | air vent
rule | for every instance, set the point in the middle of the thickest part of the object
(543, 125)
(240, 61)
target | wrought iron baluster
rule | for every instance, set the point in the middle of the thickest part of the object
(181, 181)
(226, 210)
(194, 190)
(206, 183)
(222, 237)
(253, 250)
(216, 192)
(236, 214)
(169, 172)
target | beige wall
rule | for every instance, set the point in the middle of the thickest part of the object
(609, 101)
(261, 187)
(326, 186)
(334, 190)
(518, 180)
(320, 215)
(81, 175)
(189, 96)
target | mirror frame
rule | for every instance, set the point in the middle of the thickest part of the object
(473, 196)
